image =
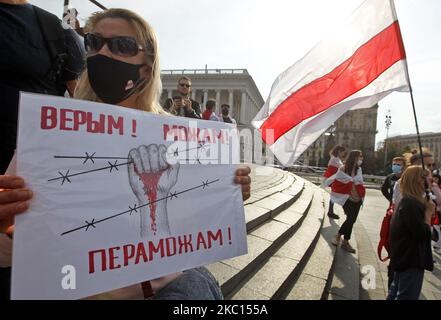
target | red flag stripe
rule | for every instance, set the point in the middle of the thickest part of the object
(361, 190)
(340, 187)
(330, 171)
(363, 67)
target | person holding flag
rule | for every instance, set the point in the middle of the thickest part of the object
(348, 191)
(337, 154)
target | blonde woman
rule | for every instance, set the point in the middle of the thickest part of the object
(123, 69)
(410, 237)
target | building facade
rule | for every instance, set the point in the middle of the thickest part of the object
(355, 130)
(234, 87)
(431, 140)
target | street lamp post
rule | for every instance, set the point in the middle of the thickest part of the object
(388, 123)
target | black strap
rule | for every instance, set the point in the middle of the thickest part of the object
(53, 34)
(147, 290)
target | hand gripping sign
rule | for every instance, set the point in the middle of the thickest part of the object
(120, 197)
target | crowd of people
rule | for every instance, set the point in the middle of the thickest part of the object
(413, 217)
(414, 201)
(182, 105)
(412, 220)
(120, 48)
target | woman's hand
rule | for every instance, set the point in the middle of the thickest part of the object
(14, 199)
(242, 177)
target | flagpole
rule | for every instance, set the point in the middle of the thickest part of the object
(426, 185)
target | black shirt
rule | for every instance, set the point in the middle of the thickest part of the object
(410, 237)
(25, 63)
(197, 110)
(387, 189)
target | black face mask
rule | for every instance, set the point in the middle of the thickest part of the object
(113, 81)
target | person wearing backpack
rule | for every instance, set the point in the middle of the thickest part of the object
(40, 54)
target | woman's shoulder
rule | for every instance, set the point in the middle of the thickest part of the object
(342, 168)
(408, 202)
(335, 162)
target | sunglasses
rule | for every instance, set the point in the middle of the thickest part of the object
(120, 46)
(185, 85)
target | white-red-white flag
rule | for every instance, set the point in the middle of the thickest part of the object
(353, 68)
(334, 164)
(341, 186)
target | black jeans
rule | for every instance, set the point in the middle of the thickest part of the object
(331, 207)
(351, 210)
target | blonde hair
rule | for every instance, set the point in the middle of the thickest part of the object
(414, 157)
(410, 185)
(150, 93)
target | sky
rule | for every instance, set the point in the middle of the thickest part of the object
(267, 36)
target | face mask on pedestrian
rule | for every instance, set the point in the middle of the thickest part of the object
(112, 80)
(396, 168)
(360, 162)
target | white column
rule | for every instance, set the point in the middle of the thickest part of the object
(230, 102)
(230, 98)
(251, 110)
(169, 93)
(218, 93)
(247, 110)
(193, 94)
(243, 106)
(205, 99)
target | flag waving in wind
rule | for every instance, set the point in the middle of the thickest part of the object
(353, 68)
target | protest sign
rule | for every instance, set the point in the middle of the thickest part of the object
(120, 196)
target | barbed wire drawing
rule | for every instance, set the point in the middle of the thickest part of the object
(65, 177)
(151, 179)
(172, 195)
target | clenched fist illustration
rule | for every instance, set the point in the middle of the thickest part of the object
(151, 179)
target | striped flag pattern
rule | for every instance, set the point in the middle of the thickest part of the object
(353, 68)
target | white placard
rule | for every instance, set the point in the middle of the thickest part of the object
(120, 196)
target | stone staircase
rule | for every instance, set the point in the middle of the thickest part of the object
(290, 255)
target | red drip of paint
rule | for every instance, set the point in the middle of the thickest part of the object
(133, 128)
(150, 181)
